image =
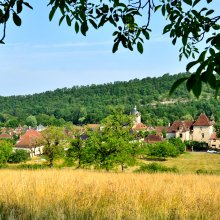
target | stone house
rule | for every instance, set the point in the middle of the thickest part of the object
(180, 129)
(200, 130)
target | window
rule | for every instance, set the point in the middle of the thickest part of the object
(181, 135)
(203, 135)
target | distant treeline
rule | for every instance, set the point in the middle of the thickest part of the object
(91, 104)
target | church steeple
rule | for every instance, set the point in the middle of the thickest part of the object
(137, 115)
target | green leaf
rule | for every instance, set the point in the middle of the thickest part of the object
(61, 19)
(191, 64)
(216, 27)
(190, 82)
(212, 51)
(196, 2)
(157, 7)
(140, 47)
(184, 40)
(197, 88)
(76, 27)
(19, 7)
(212, 81)
(209, 12)
(202, 56)
(201, 67)
(176, 84)
(115, 46)
(102, 21)
(146, 34)
(163, 9)
(209, 1)
(84, 28)
(130, 46)
(167, 28)
(93, 23)
(28, 5)
(188, 2)
(16, 19)
(68, 20)
(174, 41)
(52, 12)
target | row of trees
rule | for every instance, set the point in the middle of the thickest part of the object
(106, 148)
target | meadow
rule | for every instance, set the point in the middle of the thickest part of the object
(191, 162)
(80, 194)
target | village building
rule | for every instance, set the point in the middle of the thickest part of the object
(30, 142)
(200, 130)
(214, 142)
(137, 124)
(153, 138)
(5, 136)
(180, 129)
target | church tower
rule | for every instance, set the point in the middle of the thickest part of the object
(137, 116)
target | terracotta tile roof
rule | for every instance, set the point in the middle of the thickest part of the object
(4, 135)
(139, 126)
(202, 121)
(29, 139)
(153, 138)
(213, 136)
(160, 129)
(180, 125)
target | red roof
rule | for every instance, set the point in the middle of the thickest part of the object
(4, 135)
(213, 136)
(153, 138)
(29, 139)
(180, 125)
(139, 126)
(202, 121)
(160, 129)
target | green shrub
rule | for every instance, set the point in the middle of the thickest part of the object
(19, 156)
(202, 171)
(32, 166)
(5, 150)
(197, 146)
(180, 146)
(2, 166)
(162, 150)
(155, 167)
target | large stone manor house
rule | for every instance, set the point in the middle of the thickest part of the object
(200, 130)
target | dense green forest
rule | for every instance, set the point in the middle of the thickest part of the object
(90, 104)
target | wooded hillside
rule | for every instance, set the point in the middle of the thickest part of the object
(90, 104)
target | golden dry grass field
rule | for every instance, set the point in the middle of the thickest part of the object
(77, 194)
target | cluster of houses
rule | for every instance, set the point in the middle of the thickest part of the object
(201, 130)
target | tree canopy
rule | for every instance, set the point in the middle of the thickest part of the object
(150, 95)
(187, 21)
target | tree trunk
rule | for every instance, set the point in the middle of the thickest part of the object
(122, 168)
(51, 163)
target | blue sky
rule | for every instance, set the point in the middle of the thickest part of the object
(41, 56)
